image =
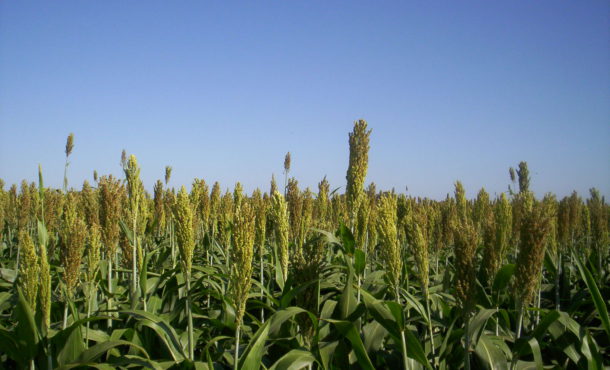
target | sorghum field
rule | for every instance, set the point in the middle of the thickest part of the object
(110, 276)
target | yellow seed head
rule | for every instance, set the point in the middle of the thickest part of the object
(321, 207)
(214, 208)
(534, 230)
(134, 185)
(159, 208)
(225, 217)
(287, 163)
(168, 174)
(73, 234)
(358, 165)
(273, 188)
(415, 234)
(388, 237)
(496, 237)
(280, 220)
(28, 269)
(111, 193)
(241, 256)
(238, 195)
(25, 206)
(260, 209)
(69, 144)
(183, 214)
(90, 204)
(93, 253)
(465, 239)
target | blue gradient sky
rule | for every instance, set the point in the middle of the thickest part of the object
(219, 90)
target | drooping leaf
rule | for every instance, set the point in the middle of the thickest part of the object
(490, 355)
(164, 330)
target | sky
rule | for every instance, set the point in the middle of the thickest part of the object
(221, 90)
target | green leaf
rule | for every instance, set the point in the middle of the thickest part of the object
(330, 237)
(26, 332)
(477, 323)
(415, 350)
(349, 331)
(490, 355)
(347, 239)
(72, 344)
(327, 350)
(382, 314)
(128, 232)
(359, 261)
(591, 353)
(95, 352)
(536, 352)
(43, 236)
(164, 330)
(252, 356)
(544, 324)
(9, 346)
(397, 313)
(374, 333)
(347, 302)
(68, 343)
(503, 278)
(600, 305)
(294, 360)
(278, 318)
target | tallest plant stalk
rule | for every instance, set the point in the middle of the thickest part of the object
(465, 245)
(110, 195)
(73, 236)
(354, 191)
(242, 254)
(69, 147)
(134, 190)
(183, 214)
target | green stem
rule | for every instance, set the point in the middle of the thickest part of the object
(557, 276)
(88, 314)
(171, 239)
(467, 343)
(65, 323)
(262, 287)
(190, 317)
(66, 176)
(18, 255)
(134, 275)
(430, 324)
(236, 364)
(405, 359)
(109, 300)
(519, 322)
(518, 332)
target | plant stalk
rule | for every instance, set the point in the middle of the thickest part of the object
(467, 343)
(236, 364)
(405, 359)
(190, 317)
(109, 300)
(262, 288)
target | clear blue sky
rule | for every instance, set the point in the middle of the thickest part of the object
(222, 90)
